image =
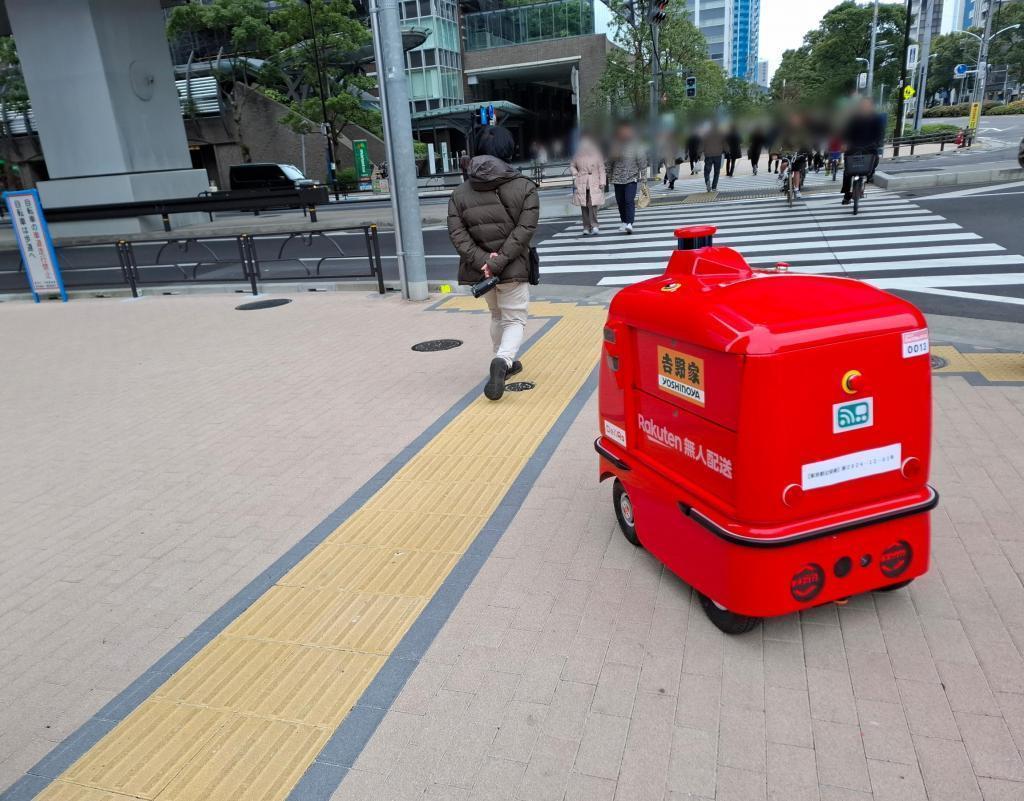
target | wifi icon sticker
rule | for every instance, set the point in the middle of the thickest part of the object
(851, 415)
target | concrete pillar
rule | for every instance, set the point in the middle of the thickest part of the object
(101, 84)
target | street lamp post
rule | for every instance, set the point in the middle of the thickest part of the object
(871, 53)
(323, 95)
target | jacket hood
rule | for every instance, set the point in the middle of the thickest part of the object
(488, 172)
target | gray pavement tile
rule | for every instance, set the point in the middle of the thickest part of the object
(547, 774)
(886, 734)
(831, 696)
(742, 738)
(823, 646)
(497, 780)
(740, 785)
(893, 781)
(589, 788)
(646, 758)
(861, 629)
(927, 709)
(604, 738)
(616, 689)
(1000, 790)
(946, 770)
(990, 747)
(840, 756)
(784, 660)
(699, 702)
(791, 770)
(518, 731)
(967, 689)
(788, 717)
(692, 767)
(872, 677)
(567, 714)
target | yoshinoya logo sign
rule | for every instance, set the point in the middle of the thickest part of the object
(851, 415)
(681, 374)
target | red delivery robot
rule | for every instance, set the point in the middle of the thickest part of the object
(768, 433)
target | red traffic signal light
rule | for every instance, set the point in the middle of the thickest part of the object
(658, 12)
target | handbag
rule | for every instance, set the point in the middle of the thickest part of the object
(533, 256)
(643, 196)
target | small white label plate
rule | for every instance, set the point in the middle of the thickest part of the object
(614, 433)
(851, 466)
(915, 343)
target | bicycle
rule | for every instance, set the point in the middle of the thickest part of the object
(859, 165)
(786, 172)
(833, 164)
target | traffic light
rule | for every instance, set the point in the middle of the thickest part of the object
(658, 12)
(691, 86)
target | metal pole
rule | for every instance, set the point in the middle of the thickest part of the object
(323, 95)
(925, 58)
(403, 167)
(655, 96)
(986, 38)
(902, 104)
(871, 53)
(383, 94)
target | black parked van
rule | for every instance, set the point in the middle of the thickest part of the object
(268, 176)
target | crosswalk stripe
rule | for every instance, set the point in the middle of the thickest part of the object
(953, 293)
(649, 241)
(856, 267)
(782, 211)
(780, 220)
(788, 247)
(758, 228)
(985, 279)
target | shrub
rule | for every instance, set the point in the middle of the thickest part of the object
(1016, 107)
(959, 110)
(937, 128)
(348, 179)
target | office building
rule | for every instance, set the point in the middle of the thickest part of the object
(746, 19)
(762, 73)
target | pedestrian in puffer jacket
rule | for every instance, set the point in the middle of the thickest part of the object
(491, 221)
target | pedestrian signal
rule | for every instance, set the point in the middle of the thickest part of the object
(691, 86)
(658, 12)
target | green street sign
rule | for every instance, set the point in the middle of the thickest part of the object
(364, 168)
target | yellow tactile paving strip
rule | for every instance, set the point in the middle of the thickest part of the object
(995, 367)
(245, 717)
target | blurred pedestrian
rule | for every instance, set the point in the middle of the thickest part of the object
(588, 182)
(774, 152)
(733, 150)
(713, 146)
(491, 221)
(757, 142)
(672, 174)
(627, 166)
(693, 151)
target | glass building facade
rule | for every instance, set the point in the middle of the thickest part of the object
(522, 24)
(746, 19)
(434, 68)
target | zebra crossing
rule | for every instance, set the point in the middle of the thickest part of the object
(893, 243)
(741, 183)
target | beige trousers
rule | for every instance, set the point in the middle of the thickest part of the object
(507, 303)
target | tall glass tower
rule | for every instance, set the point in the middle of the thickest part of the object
(746, 24)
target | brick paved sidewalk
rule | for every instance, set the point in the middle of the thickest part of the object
(139, 495)
(577, 668)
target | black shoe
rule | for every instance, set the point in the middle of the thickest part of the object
(847, 200)
(495, 387)
(515, 369)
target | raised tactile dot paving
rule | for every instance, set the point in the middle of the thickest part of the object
(263, 304)
(432, 345)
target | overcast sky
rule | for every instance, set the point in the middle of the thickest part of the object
(784, 23)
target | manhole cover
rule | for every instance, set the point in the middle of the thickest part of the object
(436, 344)
(263, 304)
(519, 386)
(938, 362)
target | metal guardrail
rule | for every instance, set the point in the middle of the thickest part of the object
(306, 198)
(248, 258)
(942, 140)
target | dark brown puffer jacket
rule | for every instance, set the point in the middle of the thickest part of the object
(495, 211)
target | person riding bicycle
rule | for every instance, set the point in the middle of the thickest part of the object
(864, 133)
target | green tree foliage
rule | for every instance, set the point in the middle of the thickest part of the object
(825, 67)
(281, 36)
(1008, 48)
(624, 89)
(949, 50)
